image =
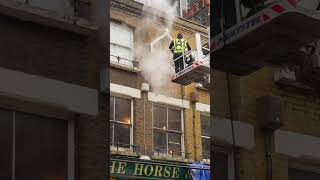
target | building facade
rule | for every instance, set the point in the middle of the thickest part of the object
(51, 52)
(154, 133)
(197, 11)
(289, 152)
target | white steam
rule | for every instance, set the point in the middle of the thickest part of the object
(155, 65)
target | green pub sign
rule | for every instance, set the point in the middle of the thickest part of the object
(143, 170)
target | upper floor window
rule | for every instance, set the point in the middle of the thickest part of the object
(167, 130)
(34, 147)
(121, 44)
(120, 122)
(205, 136)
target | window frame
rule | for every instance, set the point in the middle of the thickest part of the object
(206, 137)
(112, 145)
(129, 62)
(70, 174)
(228, 152)
(183, 153)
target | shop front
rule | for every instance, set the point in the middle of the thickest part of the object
(124, 167)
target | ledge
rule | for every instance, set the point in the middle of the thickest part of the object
(124, 67)
(41, 90)
(169, 158)
(26, 12)
(124, 90)
(168, 100)
(203, 107)
(244, 132)
(123, 151)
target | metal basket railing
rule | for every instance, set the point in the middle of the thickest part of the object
(130, 63)
(190, 56)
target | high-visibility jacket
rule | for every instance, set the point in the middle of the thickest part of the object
(179, 45)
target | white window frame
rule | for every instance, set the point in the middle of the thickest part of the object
(112, 146)
(70, 146)
(227, 151)
(130, 48)
(183, 155)
(207, 137)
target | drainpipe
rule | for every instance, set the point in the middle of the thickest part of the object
(194, 130)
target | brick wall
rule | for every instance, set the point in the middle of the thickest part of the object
(170, 89)
(301, 115)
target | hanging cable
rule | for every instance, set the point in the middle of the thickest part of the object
(222, 23)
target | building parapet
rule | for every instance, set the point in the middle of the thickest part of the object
(27, 12)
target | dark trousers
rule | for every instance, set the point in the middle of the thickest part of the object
(178, 64)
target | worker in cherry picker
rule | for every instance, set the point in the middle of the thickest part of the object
(179, 46)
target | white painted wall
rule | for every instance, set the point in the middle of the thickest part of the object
(168, 100)
(244, 132)
(117, 89)
(203, 107)
(296, 144)
(69, 96)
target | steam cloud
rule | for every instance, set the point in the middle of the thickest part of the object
(155, 65)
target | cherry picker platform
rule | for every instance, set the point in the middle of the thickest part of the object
(196, 63)
(195, 72)
(279, 29)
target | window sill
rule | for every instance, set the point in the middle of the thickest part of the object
(206, 161)
(169, 157)
(124, 67)
(122, 151)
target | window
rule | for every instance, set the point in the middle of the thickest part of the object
(167, 130)
(121, 44)
(221, 166)
(222, 157)
(205, 136)
(120, 122)
(32, 147)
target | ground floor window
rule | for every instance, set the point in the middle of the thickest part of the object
(121, 131)
(167, 130)
(223, 166)
(32, 147)
(205, 135)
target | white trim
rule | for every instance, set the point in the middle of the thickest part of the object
(153, 97)
(183, 153)
(131, 122)
(71, 149)
(231, 170)
(203, 107)
(244, 132)
(131, 127)
(13, 144)
(124, 90)
(69, 96)
(296, 145)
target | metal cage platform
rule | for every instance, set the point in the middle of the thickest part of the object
(192, 73)
(276, 31)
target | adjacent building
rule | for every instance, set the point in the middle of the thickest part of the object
(258, 101)
(50, 125)
(154, 133)
(197, 11)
